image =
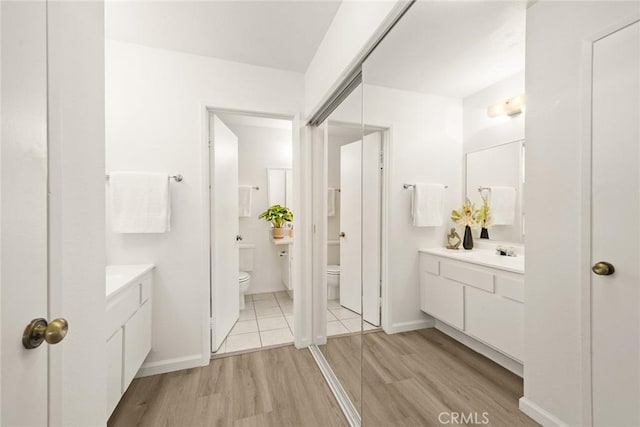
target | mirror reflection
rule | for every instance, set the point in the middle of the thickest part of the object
(495, 181)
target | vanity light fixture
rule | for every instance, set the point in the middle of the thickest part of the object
(510, 107)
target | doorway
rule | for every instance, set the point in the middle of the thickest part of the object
(251, 266)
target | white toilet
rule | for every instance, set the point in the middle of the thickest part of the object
(333, 282)
(246, 267)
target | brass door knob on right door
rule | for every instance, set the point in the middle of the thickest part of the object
(603, 268)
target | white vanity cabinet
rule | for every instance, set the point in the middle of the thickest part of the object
(478, 293)
(128, 333)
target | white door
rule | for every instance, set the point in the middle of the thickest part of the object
(24, 373)
(225, 292)
(616, 228)
(350, 226)
(371, 245)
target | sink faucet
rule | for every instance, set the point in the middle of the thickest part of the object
(504, 251)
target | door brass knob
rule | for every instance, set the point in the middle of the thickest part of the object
(342, 234)
(603, 268)
(38, 330)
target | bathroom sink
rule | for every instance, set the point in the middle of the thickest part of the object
(119, 276)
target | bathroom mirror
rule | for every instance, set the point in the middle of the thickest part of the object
(280, 185)
(496, 174)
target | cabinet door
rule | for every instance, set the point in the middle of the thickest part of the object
(495, 320)
(442, 298)
(114, 371)
(137, 342)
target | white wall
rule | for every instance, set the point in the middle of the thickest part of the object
(350, 33)
(481, 131)
(154, 122)
(555, 378)
(426, 146)
(260, 148)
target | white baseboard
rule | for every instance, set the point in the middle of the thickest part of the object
(539, 415)
(171, 365)
(480, 347)
(411, 326)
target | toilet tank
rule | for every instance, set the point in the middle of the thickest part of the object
(247, 251)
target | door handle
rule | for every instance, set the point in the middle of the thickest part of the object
(38, 330)
(342, 234)
(603, 268)
(238, 238)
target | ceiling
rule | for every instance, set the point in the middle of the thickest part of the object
(277, 34)
(239, 120)
(451, 48)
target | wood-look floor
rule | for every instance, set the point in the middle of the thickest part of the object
(410, 378)
(274, 387)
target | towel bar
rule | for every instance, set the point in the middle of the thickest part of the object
(406, 186)
(176, 178)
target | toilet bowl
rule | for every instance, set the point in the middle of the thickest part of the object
(333, 282)
(244, 282)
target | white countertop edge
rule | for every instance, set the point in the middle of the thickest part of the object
(132, 277)
(456, 255)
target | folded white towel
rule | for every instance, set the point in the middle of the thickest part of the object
(331, 202)
(503, 205)
(427, 205)
(140, 202)
(245, 201)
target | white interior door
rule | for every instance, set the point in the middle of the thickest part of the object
(24, 373)
(371, 203)
(616, 228)
(350, 217)
(225, 291)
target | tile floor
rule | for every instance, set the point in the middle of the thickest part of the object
(267, 320)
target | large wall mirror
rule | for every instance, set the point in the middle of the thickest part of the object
(495, 176)
(280, 186)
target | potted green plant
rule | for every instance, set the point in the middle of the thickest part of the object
(278, 216)
(466, 217)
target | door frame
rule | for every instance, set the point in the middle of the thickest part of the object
(586, 94)
(301, 175)
(320, 215)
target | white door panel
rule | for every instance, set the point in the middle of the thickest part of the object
(23, 377)
(371, 204)
(616, 228)
(350, 217)
(224, 229)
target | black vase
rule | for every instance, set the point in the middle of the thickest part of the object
(467, 243)
(484, 233)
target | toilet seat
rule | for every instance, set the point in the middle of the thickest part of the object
(333, 270)
(243, 276)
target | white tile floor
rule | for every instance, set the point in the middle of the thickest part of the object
(268, 320)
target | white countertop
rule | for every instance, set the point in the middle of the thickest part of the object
(484, 257)
(119, 277)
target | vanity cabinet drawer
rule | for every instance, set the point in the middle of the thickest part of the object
(120, 308)
(495, 320)
(442, 299)
(429, 264)
(510, 287)
(114, 370)
(137, 343)
(468, 276)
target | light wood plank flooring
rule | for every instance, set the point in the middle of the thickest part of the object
(412, 377)
(273, 387)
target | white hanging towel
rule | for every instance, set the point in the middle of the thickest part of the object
(331, 202)
(427, 205)
(140, 202)
(503, 205)
(245, 201)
